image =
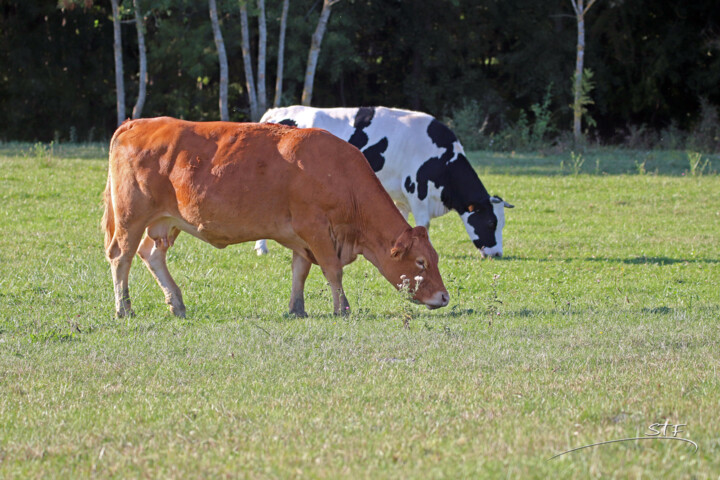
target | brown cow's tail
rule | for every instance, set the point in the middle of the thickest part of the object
(108, 218)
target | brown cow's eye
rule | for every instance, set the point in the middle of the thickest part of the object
(420, 262)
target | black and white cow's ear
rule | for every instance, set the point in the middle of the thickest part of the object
(497, 200)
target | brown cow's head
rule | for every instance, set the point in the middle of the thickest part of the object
(415, 267)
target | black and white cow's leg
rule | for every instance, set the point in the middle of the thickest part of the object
(300, 270)
(261, 247)
(153, 253)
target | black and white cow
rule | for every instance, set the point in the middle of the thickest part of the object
(418, 160)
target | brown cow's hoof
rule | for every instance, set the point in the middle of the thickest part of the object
(299, 313)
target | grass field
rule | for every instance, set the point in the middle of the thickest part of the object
(601, 320)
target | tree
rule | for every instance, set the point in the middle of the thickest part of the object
(247, 62)
(281, 54)
(142, 52)
(117, 48)
(222, 58)
(262, 48)
(314, 52)
(580, 12)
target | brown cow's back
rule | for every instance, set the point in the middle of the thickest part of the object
(240, 182)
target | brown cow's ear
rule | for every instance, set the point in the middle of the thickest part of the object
(402, 245)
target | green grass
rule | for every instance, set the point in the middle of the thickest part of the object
(601, 320)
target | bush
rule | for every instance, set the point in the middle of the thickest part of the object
(706, 134)
(469, 125)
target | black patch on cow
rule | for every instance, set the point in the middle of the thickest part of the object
(374, 154)
(289, 122)
(460, 185)
(409, 185)
(363, 117)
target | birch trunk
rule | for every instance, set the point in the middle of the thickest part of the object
(580, 11)
(262, 48)
(117, 47)
(222, 57)
(314, 53)
(247, 62)
(281, 54)
(143, 76)
(579, 60)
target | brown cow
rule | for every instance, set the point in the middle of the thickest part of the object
(228, 183)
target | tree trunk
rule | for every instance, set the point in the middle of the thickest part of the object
(281, 54)
(314, 53)
(262, 47)
(222, 56)
(247, 62)
(143, 76)
(577, 107)
(580, 11)
(117, 47)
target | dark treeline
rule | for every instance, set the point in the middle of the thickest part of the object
(655, 63)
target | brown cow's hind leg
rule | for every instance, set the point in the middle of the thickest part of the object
(153, 253)
(300, 270)
(120, 253)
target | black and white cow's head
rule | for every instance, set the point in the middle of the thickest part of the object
(485, 224)
(462, 191)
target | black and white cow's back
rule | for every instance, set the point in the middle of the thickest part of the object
(418, 160)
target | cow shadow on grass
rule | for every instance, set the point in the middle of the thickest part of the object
(642, 260)
(660, 261)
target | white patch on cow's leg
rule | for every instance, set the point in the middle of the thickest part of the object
(261, 247)
(153, 254)
(300, 269)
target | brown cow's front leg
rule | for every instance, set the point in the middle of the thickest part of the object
(300, 270)
(334, 277)
(153, 253)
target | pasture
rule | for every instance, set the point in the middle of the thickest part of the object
(601, 320)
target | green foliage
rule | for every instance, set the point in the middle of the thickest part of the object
(525, 134)
(705, 136)
(468, 124)
(586, 87)
(648, 68)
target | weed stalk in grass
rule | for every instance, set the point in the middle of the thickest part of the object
(577, 160)
(697, 166)
(640, 167)
(407, 293)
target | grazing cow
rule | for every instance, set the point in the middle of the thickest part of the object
(228, 183)
(418, 160)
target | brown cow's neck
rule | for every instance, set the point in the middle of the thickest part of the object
(382, 227)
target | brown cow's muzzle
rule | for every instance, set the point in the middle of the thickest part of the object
(437, 300)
